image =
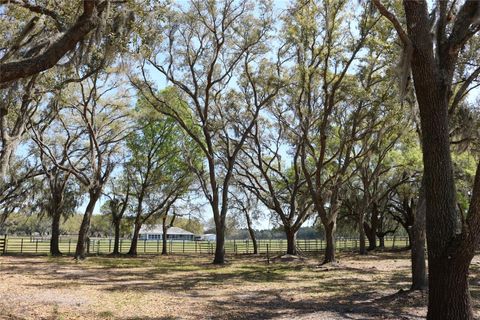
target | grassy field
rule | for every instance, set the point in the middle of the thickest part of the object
(190, 287)
(102, 246)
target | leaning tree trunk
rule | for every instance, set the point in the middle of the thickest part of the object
(133, 244)
(116, 240)
(291, 241)
(5, 155)
(164, 236)
(55, 232)
(419, 267)
(80, 250)
(252, 233)
(330, 229)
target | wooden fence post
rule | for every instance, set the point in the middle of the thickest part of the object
(268, 255)
(4, 249)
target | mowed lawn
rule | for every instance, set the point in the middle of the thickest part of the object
(190, 287)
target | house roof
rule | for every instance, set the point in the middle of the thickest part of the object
(157, 229)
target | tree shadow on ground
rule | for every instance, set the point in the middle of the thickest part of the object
(266, 289)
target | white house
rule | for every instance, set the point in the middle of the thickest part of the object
(208, 237)
(155, 232)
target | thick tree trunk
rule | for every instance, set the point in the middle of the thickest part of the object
(449, 297)
(330, 241)
(164, 236)
(371, 236)
(80, 250)
(55, 234)
(220, 245)
(133, 244)
(116, 240)
(252, 233)
(291, 241)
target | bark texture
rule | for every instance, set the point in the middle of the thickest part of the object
(291, 241)
(81, 249)
(449, 252)
(55, 234)
(330, 243)
(133, 245)
(419, 267)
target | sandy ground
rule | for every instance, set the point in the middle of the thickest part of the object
(189, 287)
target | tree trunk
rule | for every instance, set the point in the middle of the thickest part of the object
(133, 244)
(330, 240)
(419, 267)
(116, 241)
(5, 155)
(164, 236)
(291, 241)
(449, 295)
(410, 238)
(382, 241)
(371, 236)
(80, 250)
(220, 245)
(361, 231)
(55, 234)
(252, 233)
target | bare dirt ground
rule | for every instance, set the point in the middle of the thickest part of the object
(189, 287)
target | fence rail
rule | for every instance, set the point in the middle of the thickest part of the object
(20, 245)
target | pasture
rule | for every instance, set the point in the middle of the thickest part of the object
(190, 287)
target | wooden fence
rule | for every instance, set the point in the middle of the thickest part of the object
(22, 245)
(3, 244)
